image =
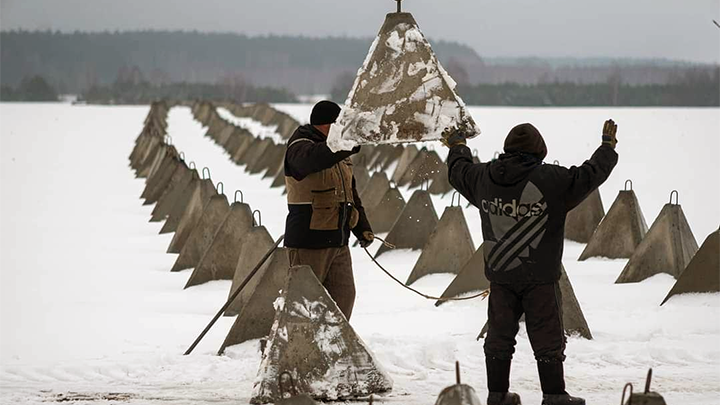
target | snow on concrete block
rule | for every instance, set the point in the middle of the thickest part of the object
(383, 215)
(201, 237)
(620, 231)
(180, 202)
(219, 261)
(470, 279)
(401, 92)
(702, 274)
(448, 248)
(256, 243)
(407, 156)
(413, 227)
(668, 247)
(582, 220)
(179, 180)
(312, 340)
(256, 314)
(375, 190)
(192, 214)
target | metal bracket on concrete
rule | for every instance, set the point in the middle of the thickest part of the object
(220, 187)
(192, 166)
(259, 222)
(182, 156)
(203, 173)
(452, 199)
(626, 185)
(242, 197)
(496, 155)
(677, 197)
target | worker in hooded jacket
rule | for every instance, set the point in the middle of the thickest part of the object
(324, 206)
(523, 204)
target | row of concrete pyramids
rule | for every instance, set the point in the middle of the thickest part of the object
(221, 241)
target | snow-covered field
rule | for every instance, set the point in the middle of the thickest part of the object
(88, 304)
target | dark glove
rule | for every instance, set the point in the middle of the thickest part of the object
(609, 132)
(367, 239)
(454, 136)
(355, 150)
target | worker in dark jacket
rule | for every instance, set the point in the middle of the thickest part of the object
(324, 206)
(523, 204)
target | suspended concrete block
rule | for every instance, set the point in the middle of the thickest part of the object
(180, 179)
(315, 344)
(219, 261)
(582, 220)
(375, 190)
(406, 158)
(201, 237)
(361, 177)
(702, 274)
(384, 214)
(190, 218)
(668, 247)
(620, 231)
(470, 279)
(449, 247)
(255, 245)
(180, 203)
(573, 317)
(413, 227)
(256, 315)
(401, 93)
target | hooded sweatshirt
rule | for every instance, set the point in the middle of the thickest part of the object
(523, 204)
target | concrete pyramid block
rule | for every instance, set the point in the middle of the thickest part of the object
(156, 184)
(256, 314)
(440, 183)
(620, 231)
(401, 93)
(180, 202)
(365, 156)
(255, 154)
(383, 215)
(160, 155)
(255, 244)
(219, 261)
(362, 177)
(406, 158)
(279, 180)
(192, 214)
(582, 220)
(470, 279)
(224, 134)
(246, 142)
(152, 140)
(422, 169)
(573, 317)
(375, 190)
(180, 179)
(668, 247)
(312, 341)
(213, 215)
(702, 274)
(276, 162)
(157, 152)
(271, 155)
(413, 227)
(449, 247)
(389, 154)
(458, 394)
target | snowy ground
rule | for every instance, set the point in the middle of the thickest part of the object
(88, 304)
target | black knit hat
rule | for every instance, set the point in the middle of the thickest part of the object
(527, 139)
(324, 112)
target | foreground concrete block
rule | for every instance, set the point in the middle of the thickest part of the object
(312, 340)
(256, 243)
(470, 279)
(702, 274)
(413, 227)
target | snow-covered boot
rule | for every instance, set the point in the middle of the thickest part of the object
(503, 398)
(563, 399)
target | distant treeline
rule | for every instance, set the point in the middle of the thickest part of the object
(34, 88)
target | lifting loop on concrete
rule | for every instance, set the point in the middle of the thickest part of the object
(259, 222)
(426, 184)
(677, 197)
(475, 153)
(399, 6)
(168, 139)
(182, 156)
(556, 162)
(242, 197)
(292, 384)
(647, 381)
(431, 148)
(457, 372)
(496, 155)
(626, 185)
(622, 399)
(192, 166)
(452, 199)
(203, 173)
(220, 187)
(392, 184)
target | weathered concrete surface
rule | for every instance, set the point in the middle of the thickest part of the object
(439, 181)
(246, 143)
(155, 184)
(225, 133)
(702, 274)
(156, 152)
(279, 180)
(383, 161)
(470, 279)
(180, 203)
(401, 93)
(179, 180)
(277, 162)
(153, 139)
(573, 317)
(312, 340)
(272, 154)
(406, 158)
(449, 247)
(582, 221)
(201, 237)
(157, 160)
(384, 214)
(422, 169)
(301, 399)
(364, 157)
(219, 261)
(668, 247)
(375, 190)
(620, 231)
(413, 227)
(254, 154)
(192, 214)
(256, 315)
(458, 394)
(256, 243)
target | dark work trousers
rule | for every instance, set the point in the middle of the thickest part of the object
(333, 267)
(542, 306)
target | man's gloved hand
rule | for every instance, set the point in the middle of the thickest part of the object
(355, 150)
(453, 136)
(609, 132)
(367, 239)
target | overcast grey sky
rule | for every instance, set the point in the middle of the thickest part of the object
(672, 29)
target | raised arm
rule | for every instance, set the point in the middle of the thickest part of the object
(304, 157)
